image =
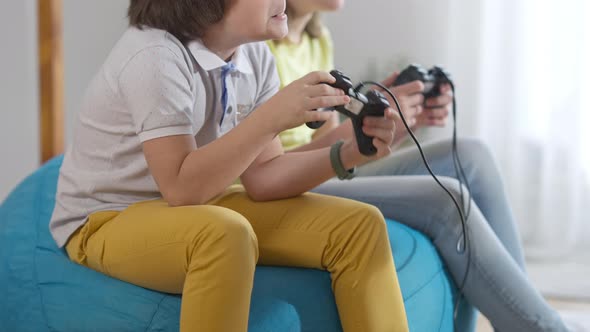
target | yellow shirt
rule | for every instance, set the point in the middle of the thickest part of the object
(295, 61)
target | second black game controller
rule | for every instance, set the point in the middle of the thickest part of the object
(433, 79)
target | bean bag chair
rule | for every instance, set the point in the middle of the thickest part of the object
(42, 290)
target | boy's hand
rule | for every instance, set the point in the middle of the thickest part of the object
(382, 129)
(296, 103)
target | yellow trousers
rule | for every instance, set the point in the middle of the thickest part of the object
(209, 252)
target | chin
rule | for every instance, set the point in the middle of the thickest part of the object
(334, 5)
(280, 35)
(278, 32)
(267, 36)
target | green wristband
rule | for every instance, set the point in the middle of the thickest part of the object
(341, 172)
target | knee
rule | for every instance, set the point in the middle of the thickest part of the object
(221, 228)
(354, 235)
(234, 232)
(475, 150)
(456, 190)
(375, 217)
(234, 228)
(369, 218)
(446, 220)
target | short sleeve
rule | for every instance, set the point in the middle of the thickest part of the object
(156, 88)
(269, 82)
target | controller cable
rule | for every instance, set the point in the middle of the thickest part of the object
(460, 173)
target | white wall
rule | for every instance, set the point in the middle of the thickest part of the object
(19, 137)
(375, 37)
(91, 29)
(383, 34)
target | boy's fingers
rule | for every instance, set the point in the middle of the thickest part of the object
(316, 77)
(311, 116)
(386, 135)
(384, 121)
(324, 90)
(374, 122)
(326, 102)
(383, 148)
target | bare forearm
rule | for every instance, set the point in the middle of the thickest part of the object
(278, 175)
(341, 132)
(294, 173)
(207, 171)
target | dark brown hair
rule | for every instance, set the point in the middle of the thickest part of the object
(185, 19)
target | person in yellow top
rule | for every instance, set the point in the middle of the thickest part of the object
(294, 60)
(400, 187)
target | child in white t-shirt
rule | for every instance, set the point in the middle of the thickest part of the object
(185, 103)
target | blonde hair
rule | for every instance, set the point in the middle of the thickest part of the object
(314, 27)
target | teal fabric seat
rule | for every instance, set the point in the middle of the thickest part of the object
(42, 290)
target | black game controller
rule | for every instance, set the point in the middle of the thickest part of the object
(373, 103)
(433, 79)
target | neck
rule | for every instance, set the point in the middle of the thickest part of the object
(217, 42)
(297, 24)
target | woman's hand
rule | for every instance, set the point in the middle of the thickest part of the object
(437, 109)
(411, 101)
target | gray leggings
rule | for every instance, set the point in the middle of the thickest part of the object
(497, 284)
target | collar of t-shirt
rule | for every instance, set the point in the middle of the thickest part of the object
(212, 63)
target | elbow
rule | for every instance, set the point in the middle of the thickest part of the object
(177, 201)
(256, 195)
(177, 198)
(268, 195)
(265, 193)
(258, 192)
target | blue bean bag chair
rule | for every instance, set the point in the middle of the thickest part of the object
(42, 290)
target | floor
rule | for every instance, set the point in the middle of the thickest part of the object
(561, 305)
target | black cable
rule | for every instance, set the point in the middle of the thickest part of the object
(460, 175)
(458, 170)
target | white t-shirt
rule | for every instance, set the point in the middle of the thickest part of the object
(151, 86)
